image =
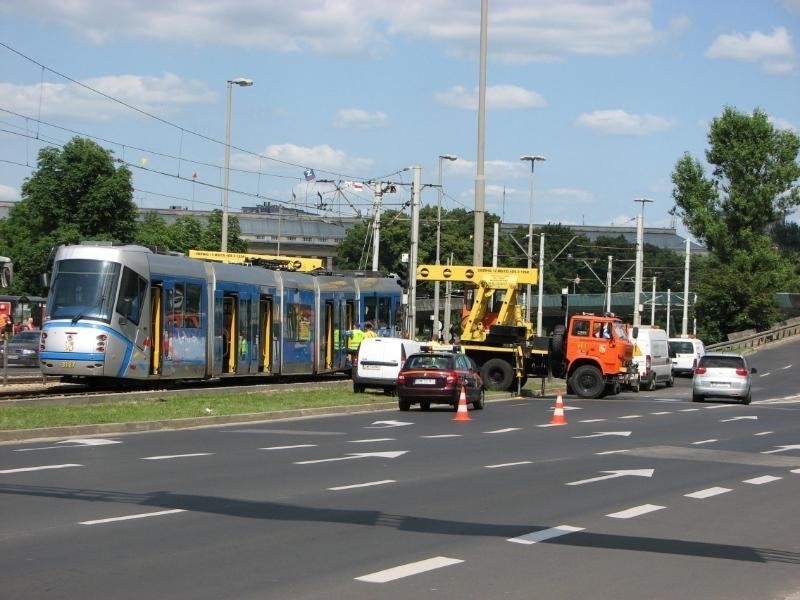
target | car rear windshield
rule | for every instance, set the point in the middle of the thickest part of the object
(723, 362)
(681, 347)
(435, 363)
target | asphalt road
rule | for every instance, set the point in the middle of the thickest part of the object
(638, 496)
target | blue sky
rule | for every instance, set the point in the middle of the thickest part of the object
(612, 93)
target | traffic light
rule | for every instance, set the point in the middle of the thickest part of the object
(402, 275)
(564, 302)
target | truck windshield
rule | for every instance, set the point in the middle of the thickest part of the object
(83, 289)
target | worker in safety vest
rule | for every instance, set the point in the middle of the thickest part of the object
(355, 338)
(369, 330)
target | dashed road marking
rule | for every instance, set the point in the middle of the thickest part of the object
(636, 511)
(545, 534)
(511, 464)
(762, 480)
(130, 517)
(362, 485)
(169, 456)
(708, 492)
(409, 569)
(41, 468)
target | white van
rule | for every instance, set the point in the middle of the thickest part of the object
(685, 354)
(378, 362)
(651, 357)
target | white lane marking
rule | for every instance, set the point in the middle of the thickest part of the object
(506, 430)
(764, 433)
(361, 485)
(611, 452)
(591, 421)
(511, 464)
(169, 456)
(372, 440)
(615, 474)
(631, 417)
(762, 480)
(443, 435)
(708, 492)
(129, 517)
(603, 434)
(289, 447)
(409, 569)
(636, 511)
(545, 534)
(386, 424)
(742, 418)
(795, 471)
(42, 468)
(356, 455)
(711, 441)
(783, 449)
(688, 410)
(74, 443)
(662, 412)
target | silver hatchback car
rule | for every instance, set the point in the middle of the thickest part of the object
(722, 375)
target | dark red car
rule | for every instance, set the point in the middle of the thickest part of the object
(436, 376)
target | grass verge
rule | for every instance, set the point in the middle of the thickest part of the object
(180, 407)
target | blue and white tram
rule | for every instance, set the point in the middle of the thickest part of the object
(124, 312)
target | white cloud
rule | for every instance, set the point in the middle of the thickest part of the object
(497, 97)
(358, 118)
(571, 195)
(159, 95)
(521, 31)
(9, 193)
(780, 123)
(321, 158)
(620, 122)
(774, 52)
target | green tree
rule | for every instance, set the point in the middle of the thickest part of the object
(76, 193)
(753, 184)
(212, 234)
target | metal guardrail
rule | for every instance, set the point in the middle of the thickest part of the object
(748, 339)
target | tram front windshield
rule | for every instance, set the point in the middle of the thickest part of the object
(83, 289)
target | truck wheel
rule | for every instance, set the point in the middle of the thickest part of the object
(497, 374)
(587, 381)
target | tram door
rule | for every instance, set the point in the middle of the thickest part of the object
(229, 333)
(265, 358)
(156, 329)
(328, 341)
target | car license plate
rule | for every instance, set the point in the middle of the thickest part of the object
(720, 384)
(425, 382)
(13, 356)
(370, 367)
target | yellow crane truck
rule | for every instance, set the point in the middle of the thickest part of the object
(593, 353)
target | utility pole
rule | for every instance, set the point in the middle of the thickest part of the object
(685, 322)
(608, 285)
(413, 256)
(480, 179)
(637, 307)
(539, 313)
(653, 307)
(376, 226)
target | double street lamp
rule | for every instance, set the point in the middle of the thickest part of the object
(532, 158)
(242, 82)
(442, 158)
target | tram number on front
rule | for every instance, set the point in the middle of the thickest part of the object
(67, 364)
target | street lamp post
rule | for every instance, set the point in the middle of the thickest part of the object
(442, 157)
(242, 82)
(528, 299)
(637, 315)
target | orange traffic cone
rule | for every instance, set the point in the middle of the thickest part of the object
(462, 414)
(558, 413)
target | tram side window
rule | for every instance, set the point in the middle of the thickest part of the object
(131, 295)
(191, 317)
(298, 326)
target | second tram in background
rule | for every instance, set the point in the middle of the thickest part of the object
(127, 313)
